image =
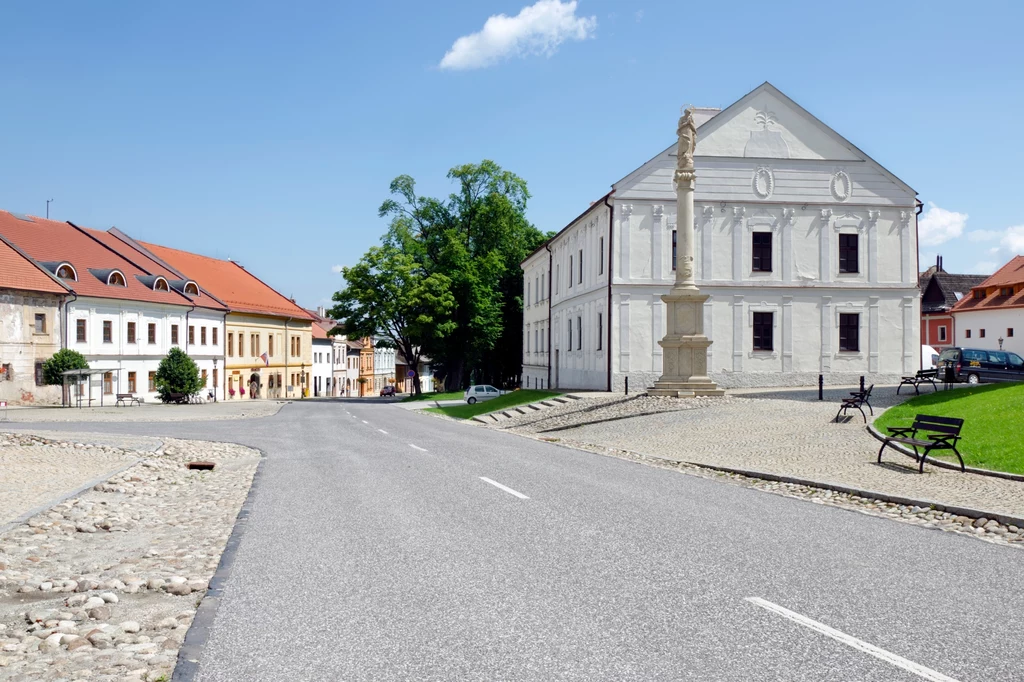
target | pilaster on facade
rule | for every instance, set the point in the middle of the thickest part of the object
(826, 334)
(737, 243)
(625, 213)
(825, 246)
(873, 339)
(787, 334)
(737, 333)
(707, 220)
(657, 257)
(908, 271)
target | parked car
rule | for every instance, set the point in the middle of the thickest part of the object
(974, 365)
(481, 392)
(387, 390)
(929, 357)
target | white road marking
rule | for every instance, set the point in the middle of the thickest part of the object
(898, 661)
(417, 447)
(505, 488)
(383, 431)
(364, 421)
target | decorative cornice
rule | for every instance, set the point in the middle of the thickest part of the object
(658, 210)
(905, 219)
(708, 214)
(788, 214)
(873, 217)
(738, 213)
(826, 214)
(625, 210)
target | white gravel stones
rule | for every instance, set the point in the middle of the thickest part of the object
(115, 603)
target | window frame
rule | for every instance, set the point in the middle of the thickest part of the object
(38, 328)
(763, 331)
(151, 332)
(174, 335)
(845, 251)
(845, 345)
(108, 331)
(81, 330)
(759, 253)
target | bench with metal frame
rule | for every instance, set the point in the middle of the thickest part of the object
(857, 401)
(126, 400)
(939, 433)
(923, 376)
(178, 398)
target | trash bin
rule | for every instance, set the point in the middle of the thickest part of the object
(948, 374)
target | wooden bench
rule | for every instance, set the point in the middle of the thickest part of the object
(928, 432)
(857, 400)
(178, 398)
(126, 400)
(923, 376)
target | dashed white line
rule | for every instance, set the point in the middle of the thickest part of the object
(860, 645)
(383, 431)
(505, 488)
(417, 447)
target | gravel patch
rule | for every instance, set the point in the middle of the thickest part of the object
(104, 586)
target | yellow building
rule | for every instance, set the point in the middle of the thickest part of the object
(268, 348)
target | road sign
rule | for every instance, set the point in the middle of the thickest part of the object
(410, 374)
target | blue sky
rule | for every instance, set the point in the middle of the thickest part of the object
(268, 132)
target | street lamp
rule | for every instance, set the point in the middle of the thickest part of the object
(302, 382)
(215, 380)
(1000, 343)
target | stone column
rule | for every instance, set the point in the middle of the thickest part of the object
(685, 347)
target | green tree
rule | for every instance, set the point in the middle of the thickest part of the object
(387, 292)
(177, 373)
(477, 238)
(60, 362)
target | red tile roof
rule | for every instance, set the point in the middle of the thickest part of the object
(20, 272)
(49, 241)
(1010, 276)
(230, 282)
(152, 267)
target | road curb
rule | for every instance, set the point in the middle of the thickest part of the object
(899, 447)
(187, 664)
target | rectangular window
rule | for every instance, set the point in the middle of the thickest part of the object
(215, 330)
(152, 382)
(981, 333)
(979, 294)
(581, 266)
(849, 332)
(543, 287)
(1006, 291)
(942, 333)
(151, 332)
(204, 378)
(256, 342)
(270, 345)
(848, 253)
(537, 297)
(231, 344)
(241, 344)
(570, 272)
(600, 329)
(1009, 331)
(108, 331)
(80, 330)
(131, 332)
(527, 294)
(191, 335)
(600, 256)
(763, 331)
(216, 378)
(202, 336)
(39, 374)
(536, 340)
(579, 333)
(967, 334)
(131, 382)
(174, 334)
(40, 323)
(527, 338)
(673, 249)
(108, 383)
(570, 334)
(761, 248)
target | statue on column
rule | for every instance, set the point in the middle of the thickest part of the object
(687, 132)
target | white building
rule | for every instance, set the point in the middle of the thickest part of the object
(806, 246)
(383, 366)
(536, 338)
(991, 316)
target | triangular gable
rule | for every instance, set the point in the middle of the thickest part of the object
(765, 124)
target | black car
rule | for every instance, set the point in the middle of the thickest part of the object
(973, 365)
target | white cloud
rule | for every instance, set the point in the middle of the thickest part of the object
(537, 30)
(983, 235)
(985, 267)
(938, 226)
(1012, 242)
(337, 268)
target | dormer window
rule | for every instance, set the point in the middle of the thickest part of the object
(65, 271)
(979, 293)
(160, 284)
(116, 279)
(192, 289)
(1006, 291)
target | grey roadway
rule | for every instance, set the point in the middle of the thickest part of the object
(365, 558)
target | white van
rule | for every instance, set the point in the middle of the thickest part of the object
(929, 357)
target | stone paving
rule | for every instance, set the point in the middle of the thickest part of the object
(148, 412)
(105, 585)
(786, 433)
(35, 472)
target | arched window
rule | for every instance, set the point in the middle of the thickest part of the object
(160, 284)
(192, 289)
(116, 279)
(65, 271)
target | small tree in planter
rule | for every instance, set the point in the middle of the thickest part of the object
(177, 373)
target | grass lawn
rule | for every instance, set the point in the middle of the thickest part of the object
(450, 395)
(993, 433)
(520, 397)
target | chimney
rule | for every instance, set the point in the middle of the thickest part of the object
(321, 311)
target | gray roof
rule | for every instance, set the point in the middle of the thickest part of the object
(940, 290)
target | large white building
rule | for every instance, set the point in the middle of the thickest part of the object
(991, 315)
(806, 246)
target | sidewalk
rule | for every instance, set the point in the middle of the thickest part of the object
(791, 434)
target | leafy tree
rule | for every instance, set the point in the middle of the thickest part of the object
(60, 362)
(387, 292)
(177, 373)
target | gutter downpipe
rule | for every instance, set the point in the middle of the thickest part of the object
(550, 274)
(611, 221)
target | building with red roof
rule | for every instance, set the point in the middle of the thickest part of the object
(991, 316)
(121, 312)
(330, 357)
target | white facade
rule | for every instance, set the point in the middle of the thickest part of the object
(988, 327)
(101, 330)
(383, 367)
(323, 367)
(30, 333)
(766, 167)
(535, 320)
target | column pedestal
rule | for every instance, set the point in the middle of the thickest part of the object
(685, 347)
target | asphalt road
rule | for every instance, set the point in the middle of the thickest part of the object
(375, 550)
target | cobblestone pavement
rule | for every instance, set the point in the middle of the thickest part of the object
(786, 433)
(149, 412)
(104, 586)
(34, 472)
